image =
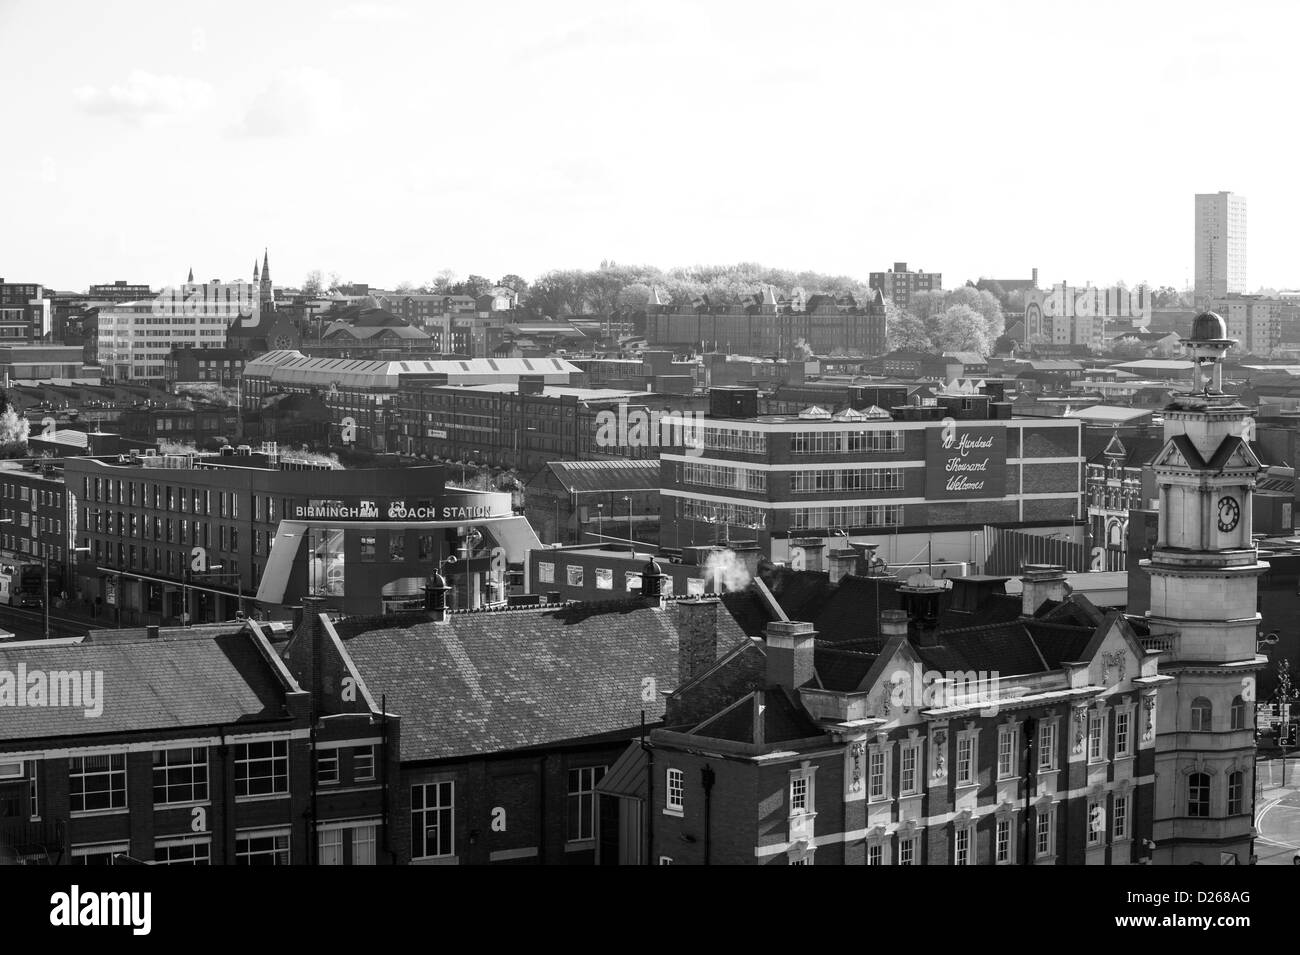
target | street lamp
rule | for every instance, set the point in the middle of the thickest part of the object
(600, 522)
(630, 535)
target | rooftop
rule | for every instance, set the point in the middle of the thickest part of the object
(515, 679)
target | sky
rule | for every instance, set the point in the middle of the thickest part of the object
(388, 141)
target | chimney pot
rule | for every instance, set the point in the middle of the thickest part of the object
(152, 631)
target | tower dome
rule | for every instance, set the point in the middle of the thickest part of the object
(1209, 327)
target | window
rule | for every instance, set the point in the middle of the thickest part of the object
(582, 801)
(101, 854)
(262, 769)
(907, 850)
(183, 852)
(327, 767)
(965, 760)
(1007, 751)
(34, 792)
(1003, 840)
(1047, 746)
(875, 854)
(180, 775)
(97, 783)
(1122, 735)
(1096, 821)
(1096, 738)
(1045, 832)
(909, 756)
(1238, 713)
(962, 846)
(329, 847)
(363, 763)
(1198, 795)
(363, 845)
(262, 847)
(368, 547)
(675, 792)
(1236, 783)
(1119, 822)
(433, 818)
(1202, 712)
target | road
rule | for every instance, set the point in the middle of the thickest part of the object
(29, 625)
(1278, 811)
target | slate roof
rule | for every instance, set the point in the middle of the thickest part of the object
(840, 669)
(173, 681)
(509, 680)
(1005, 648)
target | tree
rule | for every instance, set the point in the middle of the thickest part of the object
(474, 286)
(14, 431)
(442, 282)
(1127, 349)
(559, 292)
(405, 288)
(336, 281)
(1004, 345)
(512, 281)
(313, 284)
(905, 330)
(962, 328)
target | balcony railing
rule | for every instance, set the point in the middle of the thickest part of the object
(31, 843)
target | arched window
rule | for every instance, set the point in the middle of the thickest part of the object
(1236, 786)
(1202, 711)
(1198, 795)
(1238, 713)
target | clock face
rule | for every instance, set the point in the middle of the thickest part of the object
(1229, 513)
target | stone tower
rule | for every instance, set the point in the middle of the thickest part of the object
(1204, 574)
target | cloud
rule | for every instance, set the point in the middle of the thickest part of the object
(146, 97)
(369, 13)
(295, 102)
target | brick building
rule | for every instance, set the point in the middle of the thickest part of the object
(1025, 736)
(186, 747)
(898, 284)
(767, 327)
(914, 476)
(498, 725)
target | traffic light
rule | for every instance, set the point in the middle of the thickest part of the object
(1286, 735)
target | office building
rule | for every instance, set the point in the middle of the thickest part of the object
(1220, 246)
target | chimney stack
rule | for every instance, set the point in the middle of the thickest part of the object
(789, 653)
(435, 598)
(841, 562)
(151, 631)
(697, 637)
(1042, 582)
(920, 596)
(893, 623)
(652, 584)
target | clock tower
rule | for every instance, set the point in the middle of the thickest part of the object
(1204, 573)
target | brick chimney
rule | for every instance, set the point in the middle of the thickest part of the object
(789, 653)
(920, 596)
(697, 637)
(1042, 582)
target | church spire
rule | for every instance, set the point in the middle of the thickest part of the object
(190, 280)
(255, 271)
(266, 267)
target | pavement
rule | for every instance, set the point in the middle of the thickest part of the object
(1277, 810)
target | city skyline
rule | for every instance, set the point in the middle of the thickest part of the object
(493, 151)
